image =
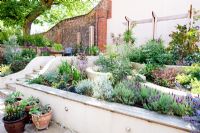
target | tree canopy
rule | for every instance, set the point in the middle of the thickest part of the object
(24, 12)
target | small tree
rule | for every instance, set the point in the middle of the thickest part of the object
(184, 42)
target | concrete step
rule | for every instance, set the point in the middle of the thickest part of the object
(36, 71)
(30, 76)
(5, 92)
(41, 67)
(21, 79)
(10, 86)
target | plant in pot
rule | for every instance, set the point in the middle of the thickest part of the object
(30, 103)
(14, 98)
(57, 49)
(14, 118)
(41, 116)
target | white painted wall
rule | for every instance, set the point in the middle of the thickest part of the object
(141, 9)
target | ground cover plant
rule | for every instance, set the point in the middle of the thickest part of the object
(190, 78)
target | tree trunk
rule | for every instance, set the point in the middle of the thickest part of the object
(45, 5)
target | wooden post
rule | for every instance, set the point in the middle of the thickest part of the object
(128, 23)
(190, 17)
(91, 36)
(78, 36)
(154, 21)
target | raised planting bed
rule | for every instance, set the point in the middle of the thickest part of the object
(183, 79)
(89, 115)
(168, 90)
(92, 73)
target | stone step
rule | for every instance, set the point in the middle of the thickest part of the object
(30, 76)
(10, 86)
(5, 92)
(21, 79)
(36, 71)
(41, 67)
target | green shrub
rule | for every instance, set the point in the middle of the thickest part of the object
(123, 94)
(12, 50)
(190, 79)
(94, 50)
(20, 60)
(57, 47)
(119, 67)
(5, 70)
(85, 87)
(183, 79)
(34, 40)
(184, 43)
(28, 53)
(194, 70)
(154, 52)
(195, 86)
(137, 55)
(128, 37)
(147, 71)
(66, 77)
(192, 58)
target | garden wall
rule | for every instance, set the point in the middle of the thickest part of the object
(88, 115)
(75, 30)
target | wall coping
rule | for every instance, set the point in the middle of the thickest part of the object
(150, 116)
(168, 90)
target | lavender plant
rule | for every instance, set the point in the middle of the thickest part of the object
(195, 118)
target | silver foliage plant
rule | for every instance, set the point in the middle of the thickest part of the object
(103, 88)
(85, 87)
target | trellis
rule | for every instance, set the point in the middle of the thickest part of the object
(191, 15)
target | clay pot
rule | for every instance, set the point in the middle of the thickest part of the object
(42, 121)
(28, 118)
(15, 126)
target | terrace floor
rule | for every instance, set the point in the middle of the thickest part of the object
(53, 128)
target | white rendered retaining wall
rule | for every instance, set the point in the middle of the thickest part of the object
(88, 115)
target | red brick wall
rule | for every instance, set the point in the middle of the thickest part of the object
(66, 31)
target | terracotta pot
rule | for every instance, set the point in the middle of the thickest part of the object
(28, 118)
(42, 121)
(15, 126)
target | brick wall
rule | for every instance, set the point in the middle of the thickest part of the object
(65, 32)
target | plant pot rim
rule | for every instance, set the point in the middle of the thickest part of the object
(50, 112)
(10, 122)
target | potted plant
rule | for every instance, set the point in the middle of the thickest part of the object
(30, 103)
(14, 118)
(41, 116)
(57, 49)
(13, 98)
